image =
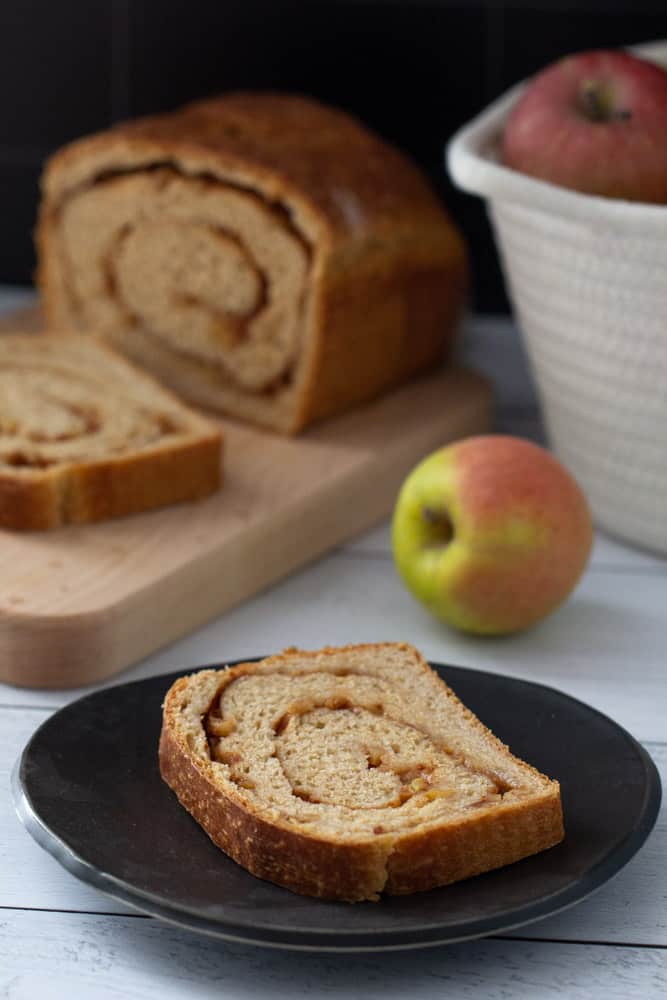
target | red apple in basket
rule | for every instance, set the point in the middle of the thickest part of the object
(595, 122)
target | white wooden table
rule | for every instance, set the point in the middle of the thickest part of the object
(607, 646)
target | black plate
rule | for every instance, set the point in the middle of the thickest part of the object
(88, 789)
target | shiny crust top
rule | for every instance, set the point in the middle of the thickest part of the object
(296, 146)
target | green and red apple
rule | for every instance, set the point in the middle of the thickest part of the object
(491, 533)
(595, 122)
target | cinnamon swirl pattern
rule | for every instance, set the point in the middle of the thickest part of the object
(84, 436)
(265, 255)
(349, 772)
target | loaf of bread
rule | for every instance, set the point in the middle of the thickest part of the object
(264, 255)
(349, 772)
(85, 436)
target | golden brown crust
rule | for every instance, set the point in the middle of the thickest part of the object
(476, 844)
(30, 503)
(288, 145)
(374, 332)
(183, 466)
(349, 869)
(388, 270)
(270, 850)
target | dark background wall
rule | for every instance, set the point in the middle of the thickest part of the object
(412, 69)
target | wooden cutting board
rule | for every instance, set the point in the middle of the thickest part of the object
(81, 603)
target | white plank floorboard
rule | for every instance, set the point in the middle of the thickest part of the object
(492, 345)
(66, 955)
(13, 297)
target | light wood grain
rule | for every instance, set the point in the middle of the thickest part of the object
(81, 603)
(632, 909)
(57, 956)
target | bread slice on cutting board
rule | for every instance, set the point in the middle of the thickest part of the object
(344, 773)
(85, 436)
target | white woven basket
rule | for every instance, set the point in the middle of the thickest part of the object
(587, 277)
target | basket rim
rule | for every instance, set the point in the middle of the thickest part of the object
(472, 162)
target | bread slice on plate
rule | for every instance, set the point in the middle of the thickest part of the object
(349, 772)
(84, 436)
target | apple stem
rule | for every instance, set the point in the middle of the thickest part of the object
(597, 104)
(439, 520)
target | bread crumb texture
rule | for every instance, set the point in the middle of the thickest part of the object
(85, 436)
(344, 773)
(264, 255)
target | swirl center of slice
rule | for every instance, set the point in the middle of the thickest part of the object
(339, 749)
(353, 758)
(56, 415)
